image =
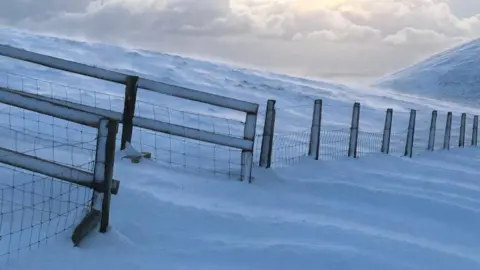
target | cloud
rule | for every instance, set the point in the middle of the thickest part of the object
(430, 24)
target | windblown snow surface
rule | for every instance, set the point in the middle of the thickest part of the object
(452, 74)
(376, 212)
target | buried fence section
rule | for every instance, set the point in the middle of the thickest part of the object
(335, 131)
(399, 132)
(455, 133)
(374, 131)
(422, 131)
(50, 173)
(292, 134)
(441, 130)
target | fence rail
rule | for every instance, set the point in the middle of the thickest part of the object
(411, 135)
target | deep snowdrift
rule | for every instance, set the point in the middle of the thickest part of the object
(454, 73)
(376, 213)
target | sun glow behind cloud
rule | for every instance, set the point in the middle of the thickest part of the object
(311, 5)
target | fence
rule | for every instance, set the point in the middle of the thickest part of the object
(398, 133)
(243, 143)
(56, 173)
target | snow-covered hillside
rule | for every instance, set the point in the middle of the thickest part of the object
(376, 212)
(451, 74)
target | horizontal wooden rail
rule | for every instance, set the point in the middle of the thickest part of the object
(146, 123)
(51, 169)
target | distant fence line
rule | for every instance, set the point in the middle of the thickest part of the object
(276, 149)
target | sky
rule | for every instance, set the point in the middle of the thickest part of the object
(334, 39)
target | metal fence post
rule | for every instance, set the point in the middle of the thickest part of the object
(433, 129)
(314, 148)
(410, 134)
(352, 146)
(268, 133)
(247, 155)
(463, 127)
(475, 131)
(129, 110)
(387, 131)
(448, 131)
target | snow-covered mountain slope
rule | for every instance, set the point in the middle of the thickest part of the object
(376, 212)
(454, 73)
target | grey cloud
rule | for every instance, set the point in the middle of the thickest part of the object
(265, 33)
(15, 11)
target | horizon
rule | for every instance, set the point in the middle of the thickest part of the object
(351, 79)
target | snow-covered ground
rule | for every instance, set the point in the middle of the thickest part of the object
(452, 74)
(377, 212)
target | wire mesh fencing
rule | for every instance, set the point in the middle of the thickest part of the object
(338, 131)
(35, 208)
(163, 148)
(187, 153)
(334, 144)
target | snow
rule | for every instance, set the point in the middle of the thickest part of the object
(452, 74)
(375, 212)
(378, 212)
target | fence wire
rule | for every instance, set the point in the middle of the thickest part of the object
(455, 134)
(334, 144)
(47, 137)
(35, 208)
(164, 148)
(189, 154)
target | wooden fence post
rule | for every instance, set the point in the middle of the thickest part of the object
(448, 131)
(314, 147)
(387, 131)
(475, 131)
(353, 143)
(129, 110)
(268, 134)
(410, 134)
(433, 130)
(463, 127)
